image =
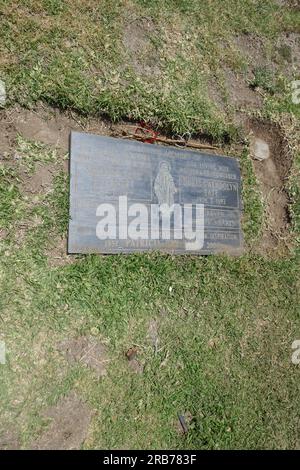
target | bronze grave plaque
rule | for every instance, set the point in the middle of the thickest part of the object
(127, 196)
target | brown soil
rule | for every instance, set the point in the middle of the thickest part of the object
(88, 351)
(133, 361)
(136, 366)
(3, 234)
(141, 52)
(57, 253)
(40, 181)
(9, 440)
(251, 47)
(272, 175)
(153, 333)
(68, 428)
(289, 3)
(7, 136)
(240, 93)
(288, 47)
(47, 125)
(23, 226)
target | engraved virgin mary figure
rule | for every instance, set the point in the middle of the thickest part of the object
(164, 185)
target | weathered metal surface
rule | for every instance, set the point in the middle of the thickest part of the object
(103, 169)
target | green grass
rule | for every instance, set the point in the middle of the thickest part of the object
(225, 325)
(9, 196)
(263, 78)
(74, 56)
(33, 152)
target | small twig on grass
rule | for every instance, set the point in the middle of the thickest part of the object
(183, 424)
(165, 140)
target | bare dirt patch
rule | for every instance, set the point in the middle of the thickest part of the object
(152, 333)
(133, 362)
(9, 440)
(289, 3)
(68, 428)
(46, 125)
(3, 234)
(288, 47)
(252, 48)
(136, 33)
(241, 96)
(56, 253)
(237, 95)
(287, 50)
(50, 129)
(216, 96)
(40, 181)
(88, 351)
(23, 226)
(136, 366)
(6, 133)
(272, 173)
(140, 49)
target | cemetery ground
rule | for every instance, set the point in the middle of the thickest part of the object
(107, 351)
